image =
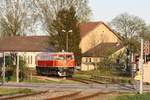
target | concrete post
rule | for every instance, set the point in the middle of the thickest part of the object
(17, 69)
(3, 69)
(141, 68)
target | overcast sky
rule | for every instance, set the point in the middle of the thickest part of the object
(106, 10)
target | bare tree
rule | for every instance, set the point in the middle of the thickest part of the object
(131, 28)
(128, 25)
(47, 11)
(14, 17)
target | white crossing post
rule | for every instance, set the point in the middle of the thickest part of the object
(141, 68)
(3, 68)
(17, 69)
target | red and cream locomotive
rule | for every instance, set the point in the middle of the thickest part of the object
(58, 63)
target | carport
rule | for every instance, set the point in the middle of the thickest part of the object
(18, 44)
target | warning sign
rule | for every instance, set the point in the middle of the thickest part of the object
(146, 47)
(137, 75)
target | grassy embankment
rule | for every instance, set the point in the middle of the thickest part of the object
(13, 91)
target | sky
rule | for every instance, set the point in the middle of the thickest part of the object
(106, 10)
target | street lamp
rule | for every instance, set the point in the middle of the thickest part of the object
(70, 31)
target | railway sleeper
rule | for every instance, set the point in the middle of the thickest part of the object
(64, 97)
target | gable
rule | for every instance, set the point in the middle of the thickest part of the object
(100, 34)
(87, 27)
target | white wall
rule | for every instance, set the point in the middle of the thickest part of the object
(29, 57)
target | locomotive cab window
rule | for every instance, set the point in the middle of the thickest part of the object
(61, 57)
(69, 57)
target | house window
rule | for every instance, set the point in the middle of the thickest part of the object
(90, 59)
(86, 59)
(25, 59)
(31, 59)
(28, 61)
(95, 59)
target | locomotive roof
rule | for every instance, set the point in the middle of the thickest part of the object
(56, 53)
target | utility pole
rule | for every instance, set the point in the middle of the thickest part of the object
(3, 68)
(141, 68)
(17, 69)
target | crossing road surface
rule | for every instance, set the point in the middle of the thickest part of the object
(101, 87)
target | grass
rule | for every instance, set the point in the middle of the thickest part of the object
(99, 72)
(109, 74)
(37, 80)
(13, 91)
(144, 96)
(34, 80)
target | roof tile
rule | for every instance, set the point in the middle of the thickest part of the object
(25, 44)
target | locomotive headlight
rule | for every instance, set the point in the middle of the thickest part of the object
(65, 61)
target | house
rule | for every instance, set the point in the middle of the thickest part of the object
(26, 46)
(96, 40)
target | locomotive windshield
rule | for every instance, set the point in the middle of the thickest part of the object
(60, 57)
(63, 57)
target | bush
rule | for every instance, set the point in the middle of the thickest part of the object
(11, 68)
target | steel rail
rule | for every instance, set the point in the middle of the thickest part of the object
(86, 81)
(23, 95)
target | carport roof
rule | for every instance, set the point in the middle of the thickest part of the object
(25, 44)
(103, 49)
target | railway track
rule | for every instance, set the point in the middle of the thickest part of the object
(93, 95)
(64, 96)
(81, 80)
(86, 81)
(23, 95)
(79, 96)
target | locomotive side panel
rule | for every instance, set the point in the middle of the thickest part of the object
(45, 63)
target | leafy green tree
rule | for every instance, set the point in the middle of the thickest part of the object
(47, 10)
(50, 13)
(67, 29)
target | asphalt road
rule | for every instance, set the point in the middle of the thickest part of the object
(100, 87)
